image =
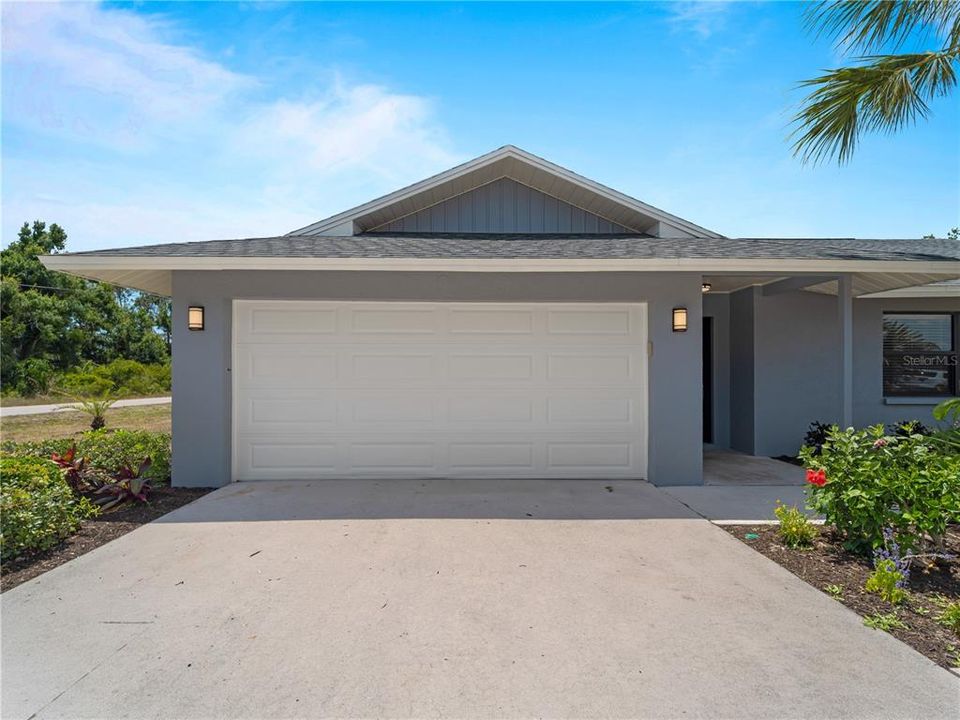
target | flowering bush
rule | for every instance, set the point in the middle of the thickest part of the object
(887, 582)
(863, 481)
(891, 571)
(795, 529)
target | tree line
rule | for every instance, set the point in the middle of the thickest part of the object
(51, 323)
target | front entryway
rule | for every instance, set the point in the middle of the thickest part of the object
(358, 389)
(708, 379)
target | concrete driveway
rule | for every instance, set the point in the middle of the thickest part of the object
(442, 599)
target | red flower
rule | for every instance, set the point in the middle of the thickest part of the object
(817, 477)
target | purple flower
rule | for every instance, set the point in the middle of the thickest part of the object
(891, 552)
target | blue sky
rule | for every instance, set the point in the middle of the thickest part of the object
(157, 122)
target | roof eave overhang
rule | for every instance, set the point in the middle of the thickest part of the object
(153, 274)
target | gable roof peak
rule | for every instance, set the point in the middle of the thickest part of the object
(524, 167)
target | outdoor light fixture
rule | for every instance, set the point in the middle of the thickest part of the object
(195, 317)
(679, 319)
(706, 287)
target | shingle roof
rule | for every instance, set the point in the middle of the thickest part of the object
(477, 246)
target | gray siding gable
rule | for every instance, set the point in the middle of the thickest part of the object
(504, 206)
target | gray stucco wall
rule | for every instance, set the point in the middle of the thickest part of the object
(784, 362)
(797, 370)
(201, 360)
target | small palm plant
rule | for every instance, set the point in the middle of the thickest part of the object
(97, 410)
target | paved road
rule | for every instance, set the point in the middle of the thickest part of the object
(426, 599)
(69, 407)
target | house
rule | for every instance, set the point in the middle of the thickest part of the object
(510, 318)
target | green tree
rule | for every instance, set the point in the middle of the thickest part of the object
(51, 322)
(886, 88)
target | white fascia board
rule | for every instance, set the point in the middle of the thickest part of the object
(80, 264)
(508, 151)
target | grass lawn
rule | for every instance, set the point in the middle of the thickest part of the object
(21, 428)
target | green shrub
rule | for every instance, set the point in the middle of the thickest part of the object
(119, 378)
(795, 529)
(864, 481)
(886, 581)
(37, 507)
(108, 450)
(33, 376)
(884, 621)
(950, 617)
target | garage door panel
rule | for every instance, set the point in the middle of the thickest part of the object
(611, 368)
(496, 367)
(386, 367)
(293, 410)
(278, 459)
(601, 408)
(491, 322)
(492, 456)
(399, 321)
(301, 322)
(590, 455)
(438, 390)
(392, 408)
(391, 456)
(590, 322)
(265, 366)
(491, 408)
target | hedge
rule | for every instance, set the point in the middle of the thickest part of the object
(37, 507)
(107, 449)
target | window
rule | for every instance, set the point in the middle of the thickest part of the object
(919, 354)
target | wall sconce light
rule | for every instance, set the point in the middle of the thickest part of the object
(195, 317)
(679, 319)
(706, 287)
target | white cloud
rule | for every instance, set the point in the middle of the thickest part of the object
(360, 126)
(176, 146)
(705, 18)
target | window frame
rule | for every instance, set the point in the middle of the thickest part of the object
(954, 384)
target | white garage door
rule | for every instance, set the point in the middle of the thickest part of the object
(351, 389)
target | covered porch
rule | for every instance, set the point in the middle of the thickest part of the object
(782, 352)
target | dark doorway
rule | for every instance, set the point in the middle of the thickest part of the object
(708, 380)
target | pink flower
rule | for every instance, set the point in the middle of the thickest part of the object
(879, 443)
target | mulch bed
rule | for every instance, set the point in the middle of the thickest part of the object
(828, 563)
(95, 532)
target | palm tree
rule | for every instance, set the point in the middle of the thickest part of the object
(880, 92)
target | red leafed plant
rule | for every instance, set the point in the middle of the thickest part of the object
(74, 469)
(129, 485)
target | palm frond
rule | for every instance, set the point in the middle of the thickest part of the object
(867, 26)
(886, 93)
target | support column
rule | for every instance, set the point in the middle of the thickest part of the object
(845, 325)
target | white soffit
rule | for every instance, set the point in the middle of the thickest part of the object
(512, 162)
(886, 284)
(948, 289)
